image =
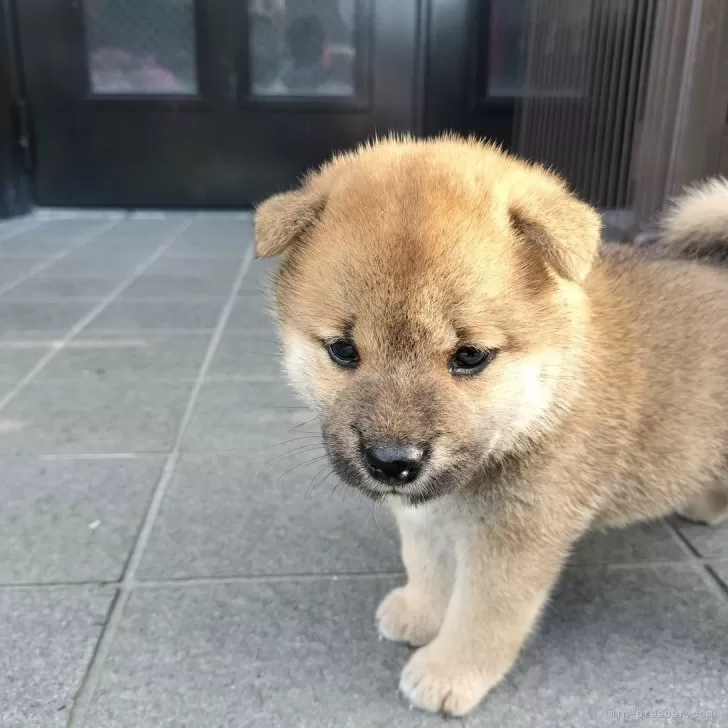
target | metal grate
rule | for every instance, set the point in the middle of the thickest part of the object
(585, 71)
(651, 116)
(141, 46)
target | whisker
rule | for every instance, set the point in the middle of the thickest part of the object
(303, 424)
(293, 439)
(296, 451)
(300, 465)
(311, 485)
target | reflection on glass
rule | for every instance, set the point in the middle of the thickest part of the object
(302, 47)
(538, 48)
(141, 46)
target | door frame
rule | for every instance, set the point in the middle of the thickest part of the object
(15, 141)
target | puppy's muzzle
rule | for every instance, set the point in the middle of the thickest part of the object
(393, 463)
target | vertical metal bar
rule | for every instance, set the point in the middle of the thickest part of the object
(586, 141)
(600, 127)
(614, 121)
(639, 44)
(573, 115)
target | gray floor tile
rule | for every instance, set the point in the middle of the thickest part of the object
(52, 235)
(150, 315)
(6, 384)
(643, 542)
(19, 356)
(71, 520)
(708, 540)
(79, 265)
(82, 415)
(264, 513)
(10, 227)
(17, 316)
(256, 355)
(140, 355)
(619, 640)
(258, 277)
(212, 269)
(48, 637)
(720, 568)
(151, 285)
(252, 312)
(79, 213)
(13, 268)
(45, 286)
(215, 237)
(283, 655)
(132, 236)
(228, 412)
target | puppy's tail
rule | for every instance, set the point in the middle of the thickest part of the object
(696, 225)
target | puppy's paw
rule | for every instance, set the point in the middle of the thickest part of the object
(408, 616)
(438, 681)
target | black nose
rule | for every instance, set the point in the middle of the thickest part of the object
(394, 462)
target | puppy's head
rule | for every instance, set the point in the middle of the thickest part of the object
(430, 307)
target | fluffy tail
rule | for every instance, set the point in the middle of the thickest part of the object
(696, 225)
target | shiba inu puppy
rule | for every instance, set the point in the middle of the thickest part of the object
(482, 364)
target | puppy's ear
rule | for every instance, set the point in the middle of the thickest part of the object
(566, 230)
(283, 219)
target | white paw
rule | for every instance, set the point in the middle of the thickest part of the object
(437, 682)
(405, 616)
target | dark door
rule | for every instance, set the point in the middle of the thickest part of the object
(14, 197)
(207, 102)
(475, 65)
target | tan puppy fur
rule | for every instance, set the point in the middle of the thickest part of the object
(606, 401)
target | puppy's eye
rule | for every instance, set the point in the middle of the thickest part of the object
(469, 360)
(343, 352)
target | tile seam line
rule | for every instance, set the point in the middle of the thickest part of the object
(85, 320)
(182, 582)
(32, 225)
(194, 581)
(49, 262)
(699, 564)
(86, 691)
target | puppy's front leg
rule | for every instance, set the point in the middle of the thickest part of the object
(502, 580)
(413, 613)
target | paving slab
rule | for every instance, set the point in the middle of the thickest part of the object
(124, 315)
(71, 520)
(137, 355)
(709, 541)
(258, 513)
(639, 543)
(81, 415)
(48, 637)
(279, 655)
(615, 645)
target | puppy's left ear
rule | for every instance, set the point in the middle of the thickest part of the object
(284, 219)
(566, 231)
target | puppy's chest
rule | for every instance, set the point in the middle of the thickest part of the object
(441, 514)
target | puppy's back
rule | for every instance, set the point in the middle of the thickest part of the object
(659, 356)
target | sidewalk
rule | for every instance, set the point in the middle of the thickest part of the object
(174, 552)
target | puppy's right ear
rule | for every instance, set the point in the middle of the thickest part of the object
(284, 219)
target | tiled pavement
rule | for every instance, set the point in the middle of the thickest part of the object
(174, 554)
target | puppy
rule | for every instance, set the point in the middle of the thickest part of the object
(479, 363)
